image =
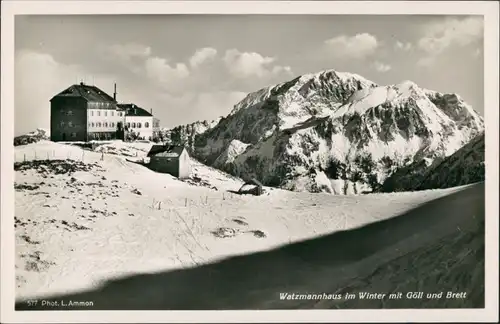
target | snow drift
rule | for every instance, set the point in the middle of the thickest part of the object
(437, 247)
(83, 217)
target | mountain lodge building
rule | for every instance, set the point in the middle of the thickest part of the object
(83, 113)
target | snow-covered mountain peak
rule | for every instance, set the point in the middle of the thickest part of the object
(338, 126)
(336, 75)
(407, 86)
(362, 100)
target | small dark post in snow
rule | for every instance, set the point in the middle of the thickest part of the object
(35, 155)
(223, 196)
(159, 205)
(186, 202)
(206, 200)
(83, 155)
(102, 156)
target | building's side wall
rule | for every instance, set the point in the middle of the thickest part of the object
(102, 120)
(68, 119)
(164, 165)
(184, 165)
(143, 131)
(156, 127)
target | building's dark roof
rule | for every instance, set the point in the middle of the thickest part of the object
(134, 110)
(87, 92)
(166, 150)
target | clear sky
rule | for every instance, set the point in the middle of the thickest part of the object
(196, 67)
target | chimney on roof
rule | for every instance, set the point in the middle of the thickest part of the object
(151, 111)
(81, 83)
(114, 93)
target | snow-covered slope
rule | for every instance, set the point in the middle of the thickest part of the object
(233, 150)
(336, 132)
(83, 217)
(135, 257)
(463, 167)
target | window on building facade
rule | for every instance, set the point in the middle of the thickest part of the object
(112, 124)
(98, 124)
(98, 113)
(133, 125)
(128, 125)
(105, 113)
(70, 113)
(146, 124)
(73, 134)
(91, 124)
(91, 113)
(139, 125)
(112, 113)
(70, 124)
(62, 124)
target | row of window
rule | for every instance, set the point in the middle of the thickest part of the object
(106, 124)
(105, 113)
(99, 105)
(112, 113)
(137, 125)
(99, 124)
(101, 136)
(112, 124)
(108, 136)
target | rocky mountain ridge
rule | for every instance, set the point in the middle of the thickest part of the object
(335, 132)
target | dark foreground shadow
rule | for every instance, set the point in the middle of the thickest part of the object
(438, 246)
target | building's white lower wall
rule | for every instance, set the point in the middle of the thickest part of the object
(105, 120)
(142, 125)
(101, 120)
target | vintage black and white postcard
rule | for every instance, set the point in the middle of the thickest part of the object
(206, 161)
